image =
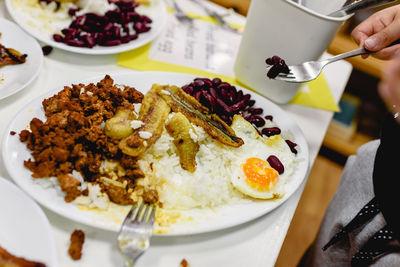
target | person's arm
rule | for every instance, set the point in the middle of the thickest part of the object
(378, 31)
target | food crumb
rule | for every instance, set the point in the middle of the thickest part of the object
(75, 248)
(47, 50)
(136, 124)
(145, 134)
(12, 132)
(184, 263)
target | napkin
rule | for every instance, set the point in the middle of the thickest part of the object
(315, 94)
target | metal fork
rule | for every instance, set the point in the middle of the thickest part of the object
(310, 70)
(136, 230)
(180, 14)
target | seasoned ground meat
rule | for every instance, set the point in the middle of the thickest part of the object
(184, 263)
(9, 260)
(72, 137)
(150, 196)
(75, 247)
(70, 186)
(118, 195)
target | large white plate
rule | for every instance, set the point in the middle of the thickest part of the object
(156, 11)
(16, 77)
(24, 229)
(15, 152)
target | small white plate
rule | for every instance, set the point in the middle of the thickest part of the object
(157, 11)
(24, 229)
(16, 77)
(14, 153)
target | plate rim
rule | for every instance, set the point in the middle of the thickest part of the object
(36, 46)
(43, 218)
(88, 51)
(88, 221)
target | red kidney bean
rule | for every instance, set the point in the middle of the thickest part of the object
(146, 19)
(208, 82)
(75, 42)
(239, 95)
(133, 36)
(231, 96)
(256, 120)
(117, 32)
(269, 61)
(224, 100)
(224, 95)
(275, 163)
(222, 85)
(225, 107)
(108, 27)
(271, 131)
(269, 117)
(255, 111)
(197, 95)
(292, 146)
(90, 41)
(251, 102)
(125, 39)
(214, 93)
(278, 66)
(211, 100)
(216, 81)
(108, 30)
(58, 38)
(72, 11)
(111, 42)
(247, 97)
(189, 90)
(198, 83)
(238, 106)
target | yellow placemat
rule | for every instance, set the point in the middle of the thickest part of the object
(314, 94)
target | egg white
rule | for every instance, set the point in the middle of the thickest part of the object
(259, 147)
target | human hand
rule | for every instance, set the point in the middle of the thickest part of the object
(378, 31)
(389, 87)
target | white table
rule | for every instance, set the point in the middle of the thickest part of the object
(253, 244)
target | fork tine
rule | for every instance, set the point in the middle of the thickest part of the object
(147, 213)
(153, 214)
(132, 214)
(136, 230)
(290, 76)
(140, 214)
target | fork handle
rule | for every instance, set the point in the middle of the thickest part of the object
(358, 5)
(356, 52)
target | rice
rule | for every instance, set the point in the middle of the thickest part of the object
(208, 186)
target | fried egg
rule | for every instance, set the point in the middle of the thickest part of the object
(253, 175)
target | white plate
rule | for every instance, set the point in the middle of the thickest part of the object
(16, 77)
(24, 229)
(15, 152)
(157, 11)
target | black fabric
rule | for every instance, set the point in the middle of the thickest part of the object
(376, 246)
(364, 215)
(386, 182)
(386, 174)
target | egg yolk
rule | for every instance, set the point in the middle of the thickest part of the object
(259, 175)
